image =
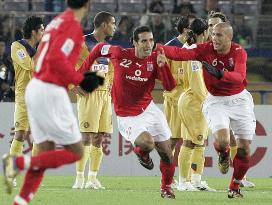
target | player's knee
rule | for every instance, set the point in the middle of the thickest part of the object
(145, 141)
(243, 152)
(19, 135)
(189, 144)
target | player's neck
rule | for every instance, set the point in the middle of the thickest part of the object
(225, 50)
(78, 13)
(31, 42)
(99, 36)
(182, 38)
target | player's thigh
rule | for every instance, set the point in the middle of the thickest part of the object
(105, 122)
(216, 114)
(51, 114)
(173, 118)
(194, 121)
(20, 117)
(243, 120)
(158, 126)
(89, 111)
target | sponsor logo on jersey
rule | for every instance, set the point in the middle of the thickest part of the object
(134, 78)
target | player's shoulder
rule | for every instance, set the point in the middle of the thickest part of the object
(237, 47)
(16, 45)
(174, 42)
(18, 51)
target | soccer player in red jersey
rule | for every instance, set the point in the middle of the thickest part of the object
(50, 113)
(229, 104)
(139, 120)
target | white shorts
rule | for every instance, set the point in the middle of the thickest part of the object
(235, 112)
(152, 120)
(50, 114)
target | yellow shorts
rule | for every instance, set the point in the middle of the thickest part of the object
(196, 127)
(172, 117)
(20, 117)
(95, 112)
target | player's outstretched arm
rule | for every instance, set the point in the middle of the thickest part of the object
(179, 54)
(213, 70)
(164, 72)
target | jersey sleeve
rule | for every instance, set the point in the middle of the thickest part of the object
(196, 80)
(165, 76)
(101, 49)
(238, 75)
(20, 57)
(83, 55)
(181, 54)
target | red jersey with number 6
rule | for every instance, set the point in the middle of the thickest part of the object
(233, 63)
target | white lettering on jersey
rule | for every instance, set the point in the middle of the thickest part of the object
(134, 78)
(105, 50)
(125, 63)
(138, 72)
(68, 46)
(21, 54)
(55, 23)
(195, 66)
(139, 65)
(100, 67)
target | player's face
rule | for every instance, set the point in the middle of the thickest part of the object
(220, 39)
(38, 34)
(144, 45)
(212, 22)
(110, 27)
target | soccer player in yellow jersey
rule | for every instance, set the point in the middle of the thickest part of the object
(171, 97)
(213, 19)
(195, 126)
(22, 55)
(94, 110)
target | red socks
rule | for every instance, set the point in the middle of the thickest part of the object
(240, 166)
(168, 171)
(49, 159)
(139, 151)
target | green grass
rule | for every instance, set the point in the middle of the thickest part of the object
(56, 190)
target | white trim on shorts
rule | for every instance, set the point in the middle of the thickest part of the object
(50, 114)
(152, 120)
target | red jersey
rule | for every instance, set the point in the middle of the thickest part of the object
(134, 78)
(234, 64)
(59, 50)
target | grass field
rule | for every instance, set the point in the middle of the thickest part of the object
(56, 190)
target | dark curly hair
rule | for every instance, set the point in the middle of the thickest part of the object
(197, 27)
(31, 23)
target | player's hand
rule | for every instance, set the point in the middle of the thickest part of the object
(79, 91)
(91, 81)
(161, 59)
(213, 70)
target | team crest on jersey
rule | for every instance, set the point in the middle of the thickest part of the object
(199, 137)
(149, 66)
(195, 66)
(17, 124)
(231, 62)
(21, 54)
(180, 71)
(86, 125)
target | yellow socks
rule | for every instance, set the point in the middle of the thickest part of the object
(198, 160)
(80, 165)
(16, 147)
(96, 158)
(233, 151)
(184, 162)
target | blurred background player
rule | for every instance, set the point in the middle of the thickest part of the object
(50, 112)
(189, 108)
(139, 120)
(94, 110)
(22, 55)
(213, 19)
(229, 104)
